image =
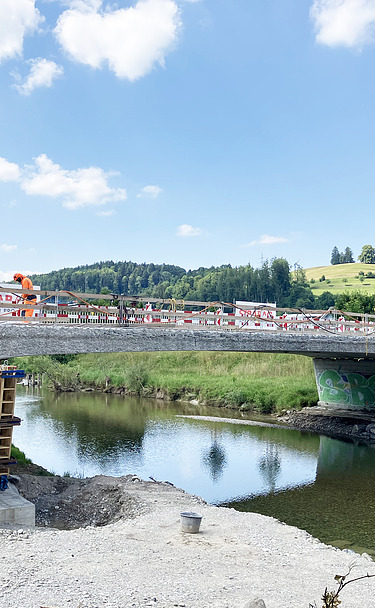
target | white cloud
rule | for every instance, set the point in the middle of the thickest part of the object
(106, 213)
(267, 239)
(5, 277)
(187, 230)
(7, 248)
(78, 188)
(130, 40)
(344, 22)
(149, 192)
(17, 18)
(9, 172)
(42, 73)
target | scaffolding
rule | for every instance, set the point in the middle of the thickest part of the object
(8, 380)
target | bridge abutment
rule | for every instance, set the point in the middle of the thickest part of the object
(346, 383)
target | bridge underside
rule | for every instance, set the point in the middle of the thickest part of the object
(344, 365)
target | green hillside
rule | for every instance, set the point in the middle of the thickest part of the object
(341, 277)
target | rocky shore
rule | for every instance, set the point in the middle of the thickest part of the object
(128, 551)
(338, 424)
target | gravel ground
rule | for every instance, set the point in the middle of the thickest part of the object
(143, 559)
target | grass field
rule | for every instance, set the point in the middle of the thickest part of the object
(340, 278)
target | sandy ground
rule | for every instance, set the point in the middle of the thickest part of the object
(144, 559)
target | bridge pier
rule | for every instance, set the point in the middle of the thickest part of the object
(346, 383)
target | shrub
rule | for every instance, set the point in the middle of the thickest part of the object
(236, 397)
(265, 403)
(137, 377)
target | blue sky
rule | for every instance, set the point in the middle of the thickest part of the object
(189, 132)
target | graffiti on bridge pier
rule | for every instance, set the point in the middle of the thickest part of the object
(346, 388)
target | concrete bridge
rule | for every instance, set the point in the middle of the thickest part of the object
(344, 364)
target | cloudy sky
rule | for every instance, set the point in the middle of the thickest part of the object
(190, 132)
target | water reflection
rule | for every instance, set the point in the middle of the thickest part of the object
(270, 466)
(321, 485)
(92, 433)
(215, 459)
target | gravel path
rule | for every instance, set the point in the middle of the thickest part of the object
(143, 559)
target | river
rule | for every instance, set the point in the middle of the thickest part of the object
(322, 485)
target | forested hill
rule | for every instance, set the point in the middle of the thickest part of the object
(272, 282)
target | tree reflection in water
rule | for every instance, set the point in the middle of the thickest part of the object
(215, 459)
(270, 466)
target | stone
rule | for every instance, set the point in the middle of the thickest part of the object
(370, 428)
(257, 603)
(246, 407)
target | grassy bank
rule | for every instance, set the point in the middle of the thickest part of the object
(19, 456)
(265, 382)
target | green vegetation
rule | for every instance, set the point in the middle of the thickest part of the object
(345, 257)
(336, 275)
(28, 464)
(19, 456)
(259, 381)
(367, 255)
(273, 282)
(313, 288)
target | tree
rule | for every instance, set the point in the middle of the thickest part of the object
(335, 256)
(355, 301)
(348, 256)
(324, 301)
(301, 296)
(367, 255)
(280, 278)
(299, 274)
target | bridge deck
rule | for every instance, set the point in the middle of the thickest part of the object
(27, 339)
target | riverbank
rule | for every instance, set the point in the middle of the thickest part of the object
(143, 558)
(261, 382)
(335, 423)
(277, 384)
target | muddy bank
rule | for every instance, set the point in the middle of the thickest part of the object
(67, 503)
(338, 424)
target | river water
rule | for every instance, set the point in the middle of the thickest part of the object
(322, 485)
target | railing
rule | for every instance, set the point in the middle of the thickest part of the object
(65, 307)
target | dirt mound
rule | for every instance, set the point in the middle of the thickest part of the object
(68, 503)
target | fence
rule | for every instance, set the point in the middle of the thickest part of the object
(63, 307)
